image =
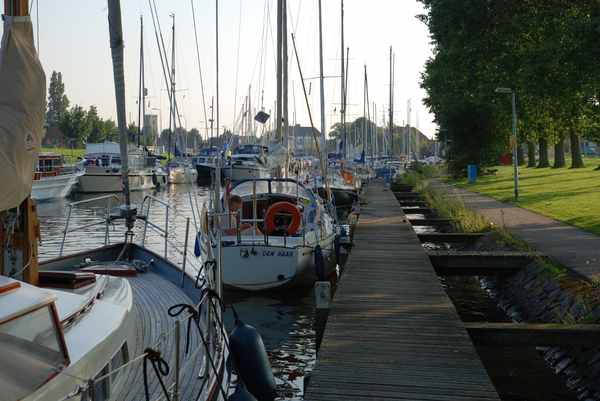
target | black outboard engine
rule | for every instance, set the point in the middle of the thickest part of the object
(252, 362)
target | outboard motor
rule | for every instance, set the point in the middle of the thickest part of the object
(251, 361)
(241, 394)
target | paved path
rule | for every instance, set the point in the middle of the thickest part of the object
(393, 333)
(573, 248)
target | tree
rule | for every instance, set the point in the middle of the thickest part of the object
(96, 133)
(75, 126)
(58, 103)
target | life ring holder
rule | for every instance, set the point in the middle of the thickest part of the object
(285, 207)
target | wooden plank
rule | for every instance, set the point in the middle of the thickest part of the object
(433, 221)
(484, 261)
(419, 210)
(452, 238)
(393, 333)
(527, 334)
(417, 203)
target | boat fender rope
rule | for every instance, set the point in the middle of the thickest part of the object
(160, 367)
(177, 310)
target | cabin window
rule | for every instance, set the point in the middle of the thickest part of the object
(102, 387)
(32, 352)
(118, 360)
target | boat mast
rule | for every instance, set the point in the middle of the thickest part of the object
(322, 86)
(116, 48)
(285, 73)
(212, 120)
(391, 108)
(217, 183)
(142, 88)
(365, 107)
(279, 133)
(172, 123)
(343, 87)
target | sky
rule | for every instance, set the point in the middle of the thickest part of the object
(74, 39)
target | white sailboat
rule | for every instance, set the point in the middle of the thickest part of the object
(282, 236)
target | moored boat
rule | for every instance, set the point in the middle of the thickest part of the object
(52, 179)
(281, 236)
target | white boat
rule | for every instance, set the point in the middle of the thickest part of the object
(103, 169)
(248, 162)
(181, 172)
(51, 179)
(295, 245)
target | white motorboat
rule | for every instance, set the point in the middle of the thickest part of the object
(52, 179)
(181, 172)
(248, 162)
(289, 241)
(103, 169)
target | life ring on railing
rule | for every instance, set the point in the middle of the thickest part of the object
(282, 208)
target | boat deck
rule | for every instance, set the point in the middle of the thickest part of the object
(153, 296)
(393, 333)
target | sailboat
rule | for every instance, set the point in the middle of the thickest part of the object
(88, 326)
(277, 232)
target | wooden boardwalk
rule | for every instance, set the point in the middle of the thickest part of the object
(392, 333)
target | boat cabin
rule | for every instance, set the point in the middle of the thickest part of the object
(49, 164)
(31, 339)
(259, 196)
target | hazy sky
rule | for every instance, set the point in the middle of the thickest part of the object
(74, 40)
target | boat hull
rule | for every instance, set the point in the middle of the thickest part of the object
(112, 182)
(265, 267)
(56, 187)
(241, 173)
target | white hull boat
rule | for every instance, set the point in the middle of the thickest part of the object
(56, 187)
(99, 180)
(261, 258)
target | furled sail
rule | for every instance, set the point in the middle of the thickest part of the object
(22, 108)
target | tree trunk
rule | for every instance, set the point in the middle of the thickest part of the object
(520, 155)
(530, 154)
(559, 153)
(576, 157)
(543, 150)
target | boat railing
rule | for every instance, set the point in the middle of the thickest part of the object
(170, 351)
(254, 236)
(104, 220)
(170, 241)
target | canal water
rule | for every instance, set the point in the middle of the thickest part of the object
(285, 321)
(518, 373)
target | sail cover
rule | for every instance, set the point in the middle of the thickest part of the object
(22, 108)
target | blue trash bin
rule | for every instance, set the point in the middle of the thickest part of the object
(472, 173)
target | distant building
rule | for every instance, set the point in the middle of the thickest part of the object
(303, 142)
(53, 138)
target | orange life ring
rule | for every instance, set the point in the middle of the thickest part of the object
(285, 207)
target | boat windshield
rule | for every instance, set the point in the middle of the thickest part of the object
(32, 352)
(284, 188)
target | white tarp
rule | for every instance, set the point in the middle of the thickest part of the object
(22, 109)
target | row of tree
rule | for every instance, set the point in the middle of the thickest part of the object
(80, 126)
(544, 50)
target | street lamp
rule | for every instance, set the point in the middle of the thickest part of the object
(508, 91)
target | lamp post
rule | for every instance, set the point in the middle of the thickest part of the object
(509, 91)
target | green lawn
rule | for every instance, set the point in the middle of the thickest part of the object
(568, 195)
(70, 155)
